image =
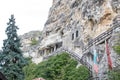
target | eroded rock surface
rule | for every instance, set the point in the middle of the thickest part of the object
(89, 17)
(74, 23)
(30, 43)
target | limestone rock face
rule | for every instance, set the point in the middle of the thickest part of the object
(77, 22)
(81, 20)
(114, 41)
(92, 17)
(30, 43)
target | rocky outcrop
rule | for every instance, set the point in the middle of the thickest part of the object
(115, 41)
(30, 44)
(73, 24)
(89, 18)
(82, 20)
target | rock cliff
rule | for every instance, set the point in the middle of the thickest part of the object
(74, 24)
(30, 43)
(77, 22)
(91, 16)
(80, 26)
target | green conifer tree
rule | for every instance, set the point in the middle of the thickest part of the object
(11, 59)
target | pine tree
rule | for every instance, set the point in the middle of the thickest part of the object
(12, 60)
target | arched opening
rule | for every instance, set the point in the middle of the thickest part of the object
(73, 36)
(76, 34)
(91, 22)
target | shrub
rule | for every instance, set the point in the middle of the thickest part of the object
(60, 67)
(117, 49)
(113, 75)
(34, 42)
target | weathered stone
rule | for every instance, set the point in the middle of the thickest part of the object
(75, 3)
(73, 24)
(28, 49)
(116, 5)
(78, 22)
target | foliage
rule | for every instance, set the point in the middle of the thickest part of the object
(11, 59)
(60, 67)
(113, 75)
(34, 41)
(117, 49)
(29, 70)
(116, 46)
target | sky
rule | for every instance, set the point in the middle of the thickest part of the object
(30, 15)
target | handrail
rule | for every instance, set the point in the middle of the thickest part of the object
(73, 54)
(100, 38)
(62, 49)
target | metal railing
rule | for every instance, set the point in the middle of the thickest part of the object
(72, 54)
(100, 38)
(62, 49)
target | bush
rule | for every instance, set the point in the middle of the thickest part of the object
(60, 67)
(117, 49)
(34, 42)
(29, 70)
(113, 75)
